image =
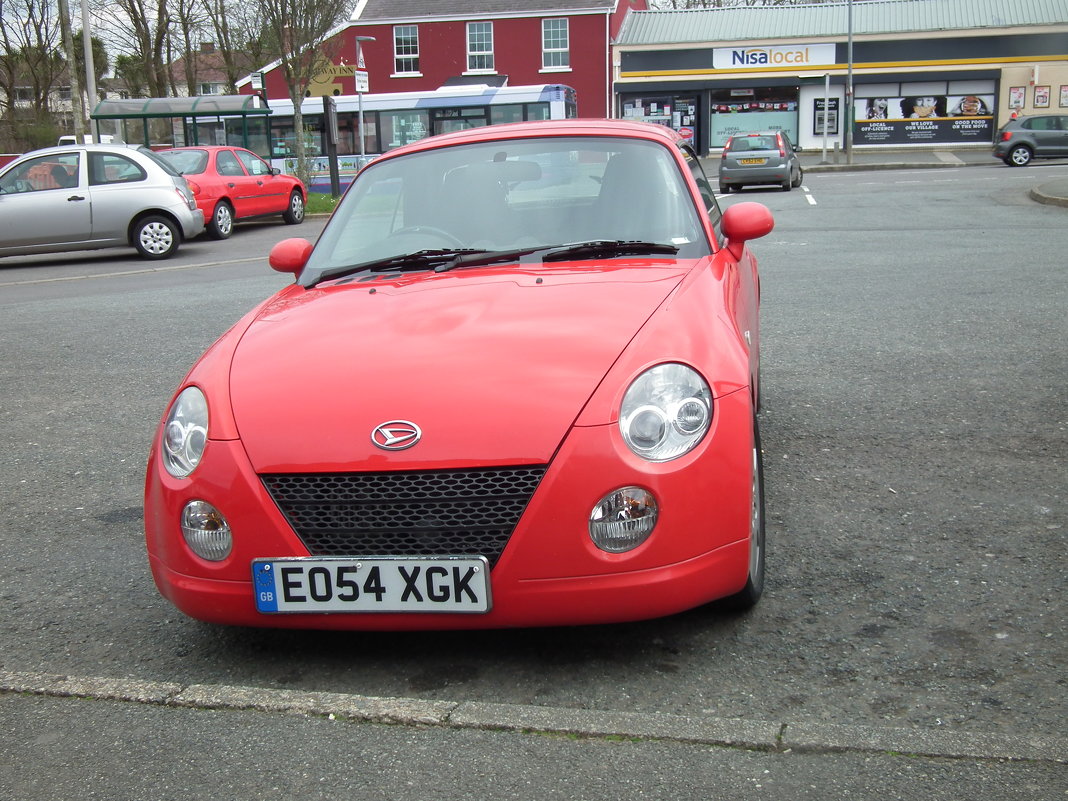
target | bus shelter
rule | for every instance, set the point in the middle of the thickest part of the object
(159, 122)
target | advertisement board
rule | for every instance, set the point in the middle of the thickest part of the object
(926, 119)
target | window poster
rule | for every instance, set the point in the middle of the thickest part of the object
(923, 118)
(1016, 96)
(1041, 97)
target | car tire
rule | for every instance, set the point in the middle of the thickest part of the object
(724, 190)
(787, 183)
(156, 237)
(754, 583)
(800, 176)
(294, 212)
(221, 224)
(1019, 156)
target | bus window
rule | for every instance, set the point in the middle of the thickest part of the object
(509, 113)
(401, 127)
(537, 111)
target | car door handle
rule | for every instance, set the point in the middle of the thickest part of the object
(75, 197)
(231, 184)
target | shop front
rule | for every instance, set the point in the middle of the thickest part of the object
(931, 88)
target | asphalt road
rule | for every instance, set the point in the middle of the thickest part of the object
(915, 430)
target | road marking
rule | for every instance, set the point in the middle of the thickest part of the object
(143, 271)
(808, 196)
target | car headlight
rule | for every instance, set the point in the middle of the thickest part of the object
(665, 412)
(185, 433)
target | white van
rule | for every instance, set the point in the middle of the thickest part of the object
(105, 139)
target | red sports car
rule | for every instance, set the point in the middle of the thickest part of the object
(232, 184)
(513, 384)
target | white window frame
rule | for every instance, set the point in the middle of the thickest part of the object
(399, 58)
(549, 53)
(477, 60)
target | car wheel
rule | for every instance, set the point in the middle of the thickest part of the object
(294, 213)
(800, 176)
(787, 183)
(222, 221)
(156, 237)
(1019, 156)
(724, 190)
(754, 584)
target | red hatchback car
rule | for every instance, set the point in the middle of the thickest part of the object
(514, 383)
(232, 184)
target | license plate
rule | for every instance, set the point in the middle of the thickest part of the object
(751, 161)
(378, 584)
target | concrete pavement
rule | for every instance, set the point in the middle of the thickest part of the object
(771, 736)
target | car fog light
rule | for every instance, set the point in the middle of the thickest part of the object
(206, 531)
(623, 519)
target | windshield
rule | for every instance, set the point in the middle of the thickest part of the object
(512, 195)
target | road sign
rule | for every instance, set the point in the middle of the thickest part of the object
(362, 82)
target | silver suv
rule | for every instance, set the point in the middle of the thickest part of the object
(1043, 136)
(84, 197)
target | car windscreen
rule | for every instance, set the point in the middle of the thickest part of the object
(512, 194)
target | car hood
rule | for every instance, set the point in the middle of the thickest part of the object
(493, 366)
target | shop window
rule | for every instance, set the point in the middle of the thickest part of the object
(739, 111)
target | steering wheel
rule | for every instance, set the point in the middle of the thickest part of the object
(431, 231)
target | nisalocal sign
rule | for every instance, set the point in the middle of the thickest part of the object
(784, 57)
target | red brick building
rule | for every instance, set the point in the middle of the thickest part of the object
(420, 45)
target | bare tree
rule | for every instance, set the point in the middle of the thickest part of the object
(302, 30)
(143, 35)
(76, 98)
(31, 61)
(240, 37)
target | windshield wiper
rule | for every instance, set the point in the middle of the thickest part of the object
(607, 248)
(419, 260)
(598, 248)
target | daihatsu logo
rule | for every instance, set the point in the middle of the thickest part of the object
(396, 435)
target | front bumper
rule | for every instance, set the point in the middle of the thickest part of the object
(549, 573)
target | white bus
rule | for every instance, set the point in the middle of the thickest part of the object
(395, 119)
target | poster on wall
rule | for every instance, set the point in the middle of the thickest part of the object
(920, 119)
(1041, 97)
(825, 116)
(1016, 96)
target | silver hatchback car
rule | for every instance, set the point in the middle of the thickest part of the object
(767, 157)
(84, 197)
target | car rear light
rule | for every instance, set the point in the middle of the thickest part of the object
(194, 187)
(782, 147)
(1006, 136)
(726, 147)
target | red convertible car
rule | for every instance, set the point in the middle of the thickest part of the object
(514, 383)
(231, 184)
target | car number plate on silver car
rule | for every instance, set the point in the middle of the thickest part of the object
(751, 161)
(377, 584)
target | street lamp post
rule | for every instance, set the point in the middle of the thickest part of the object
(850, 115)
(362, 85)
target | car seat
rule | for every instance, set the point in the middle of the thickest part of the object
(63, 179)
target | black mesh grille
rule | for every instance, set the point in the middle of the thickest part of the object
(405, 513)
